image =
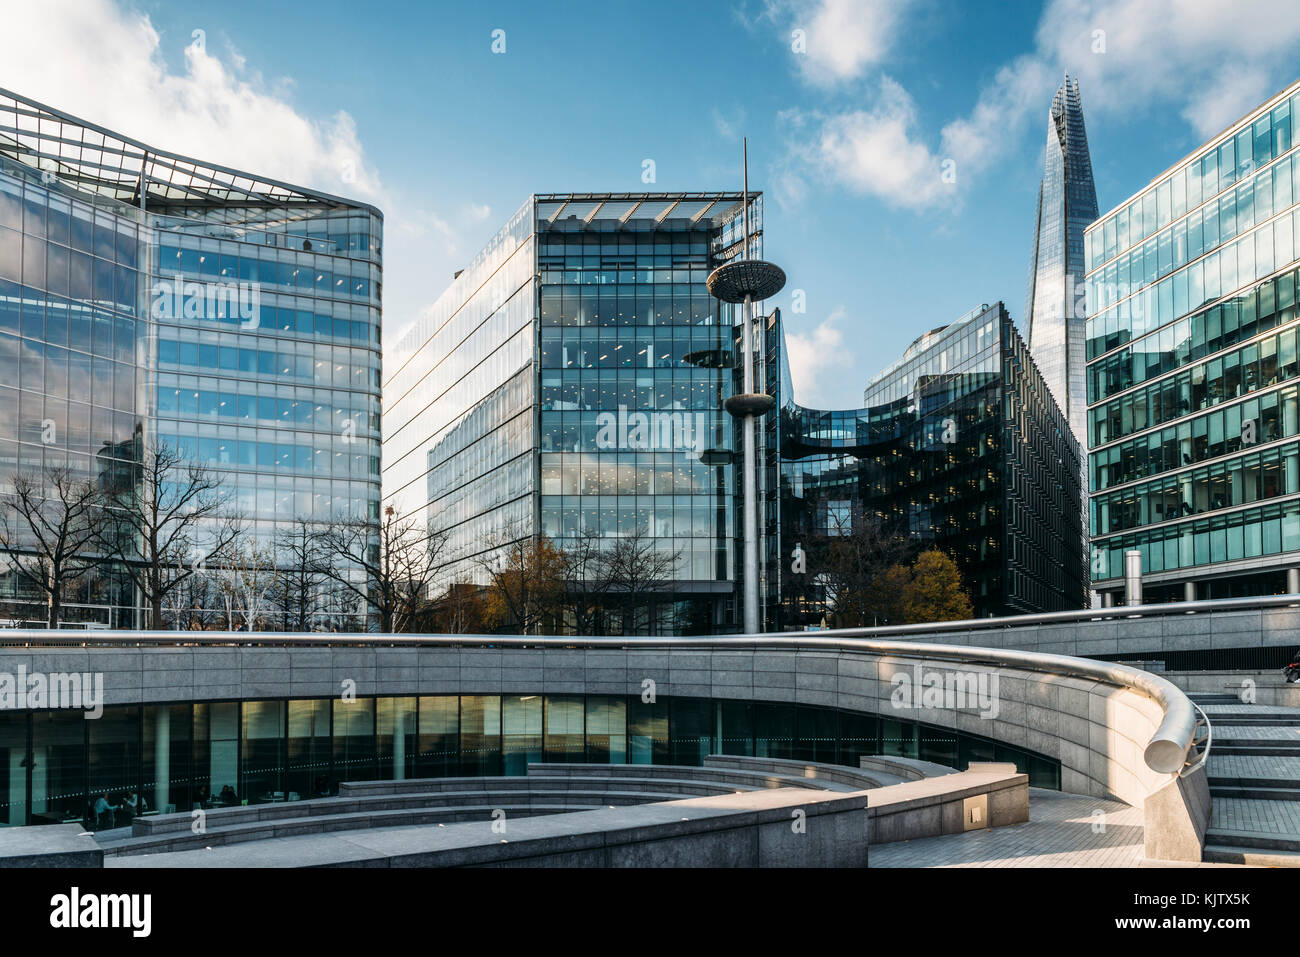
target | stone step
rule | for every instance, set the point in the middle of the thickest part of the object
(1250, 856)
(570, 790)
(1272, 735)
(1255, 784)
(325, 824)
(1255, 793)
(1258, 840)
(1254, 746)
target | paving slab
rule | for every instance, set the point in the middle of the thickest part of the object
(1063, 830)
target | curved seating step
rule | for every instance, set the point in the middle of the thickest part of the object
(320, 824)
(722, 774)
(833, 777)
(577, 791)
(889, 770)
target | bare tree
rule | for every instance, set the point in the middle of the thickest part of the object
(246, 579)
(298, 595)
(166, 524)
(854, 566)
(47, 530)
(639, 568)
(195, 604)
(397, 563)
(587, 581)
(525, 581)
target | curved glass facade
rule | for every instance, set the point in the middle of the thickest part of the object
(234, 319)
(177, 757)
(960, 446)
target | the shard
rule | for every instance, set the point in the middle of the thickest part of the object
(1055, 310)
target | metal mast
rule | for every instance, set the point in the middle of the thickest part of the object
(745, 281)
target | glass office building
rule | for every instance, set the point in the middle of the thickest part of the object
(959, 445)
(181, 756)
(1194, 429)
(571, 380)
(147, 299)
(1055, 307)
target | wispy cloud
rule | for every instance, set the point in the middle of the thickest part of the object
(99, 61)
(815, 357)
(877, 152)
(836, 41)
(1209, 63)
(730, 124)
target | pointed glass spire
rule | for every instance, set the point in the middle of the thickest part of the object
(1055, 310)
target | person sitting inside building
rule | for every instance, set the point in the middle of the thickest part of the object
(228, 797)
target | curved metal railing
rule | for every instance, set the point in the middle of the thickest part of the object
(1166, 752)
(1202, 738)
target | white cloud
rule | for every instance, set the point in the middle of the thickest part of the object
(95, 60)
(108, 65)
(876, 152)
(814, 354)
(841, 39)
(1209, 62)
(1236, 89)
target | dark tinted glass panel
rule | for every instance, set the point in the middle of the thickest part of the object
(263, 752)
(480, 734)
(647, 732)
(354, 740)
(439, 743)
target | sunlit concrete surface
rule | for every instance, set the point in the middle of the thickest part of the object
(1064, 830)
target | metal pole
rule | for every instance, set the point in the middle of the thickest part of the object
(751, 486)
(750, 517)
(1133, 577)
(742, 282)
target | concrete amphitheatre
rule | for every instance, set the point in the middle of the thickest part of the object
(1049, 727)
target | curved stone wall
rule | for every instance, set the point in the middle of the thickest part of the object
(1117, 732)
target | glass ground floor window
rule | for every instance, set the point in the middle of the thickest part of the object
(57, 767)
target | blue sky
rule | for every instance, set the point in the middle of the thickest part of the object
(851, 122)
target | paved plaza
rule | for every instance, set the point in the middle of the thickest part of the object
(1064, 830)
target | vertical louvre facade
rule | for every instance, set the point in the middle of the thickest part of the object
(960, 445)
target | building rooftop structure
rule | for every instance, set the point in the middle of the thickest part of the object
(94, 160)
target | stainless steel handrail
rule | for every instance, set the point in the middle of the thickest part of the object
(1204, 741)
(57, 637)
